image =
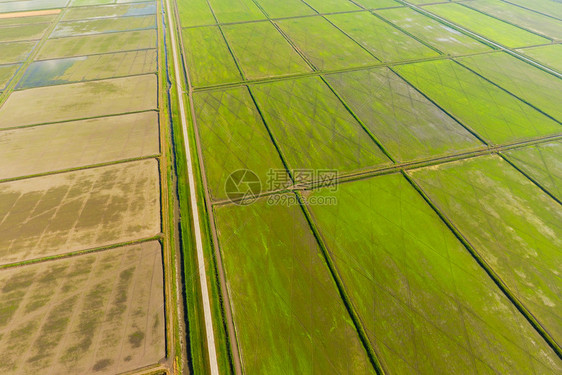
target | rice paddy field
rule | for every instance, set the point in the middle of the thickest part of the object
(84, 246)
(436, 250)
(280, 187)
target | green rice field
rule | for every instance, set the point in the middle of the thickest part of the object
(248, 187)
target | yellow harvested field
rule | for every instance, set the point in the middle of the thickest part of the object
(79, 101)
(77, 143)
(96, 313)
(61, 213)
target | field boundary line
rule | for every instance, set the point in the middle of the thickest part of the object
(479, 37)
(227, 85)
(404, 166)
(39, 43)
(507, 21)
(79, 119)
(369, 347)
(209, 329)
(489, 80)
(533, 180)
(85, 167)
(531, 10)
(96, 54)
(104, 32)
(487, 268)
(71, 254)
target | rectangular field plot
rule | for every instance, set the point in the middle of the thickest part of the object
(60, 213)
(377, 4)
(407, 124)
(535, 86)
(289, 316)
(324, 45)
(15, 52)
(495, 115)
(86, 142)
(97, 313)
(444, 38)
(543, 163)
(426, 304)
(6, 74)
(550, 56)
(120, 10)
(104, 25)
(85, 68)
(486, 26)
(31, 5)
(262, 51)
(96, 44)
(22, 32)
(329, 6)
(79, 101)
(195, 13)
(527, 19)
(25, 20)
(548, 7)
(233, 137)
(208, 57)
(286, 8)
(313, 128)
(384, 41)
(236, 10)
(514, 226)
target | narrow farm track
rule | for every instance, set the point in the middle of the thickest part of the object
(211, 346)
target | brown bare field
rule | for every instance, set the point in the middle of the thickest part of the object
(30, 13)
(60, 213)
(79, 100)
(97, 313)
(86, 142)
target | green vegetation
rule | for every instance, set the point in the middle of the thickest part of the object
(303, 114)
(377, 4)
(195, 13)
(407, 124)
(486, 26)
(550, 55)
(538, 23)
(30, 5)
(79, 100)
(94, 44)
(286, 8)
(6, 73)
(15, 52)
(103, 25)
(236, 10)
(26, 20)
(262, 51)
(380, 38)
(324, 45)
(436, 34)
(513, 225)
(541, 163)
(492, 113)
(547, 7)
(537, 87)
(233, 137)
(329, 6)
(22, 32)
(426, 304)
(288, 313)
(208, 57)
